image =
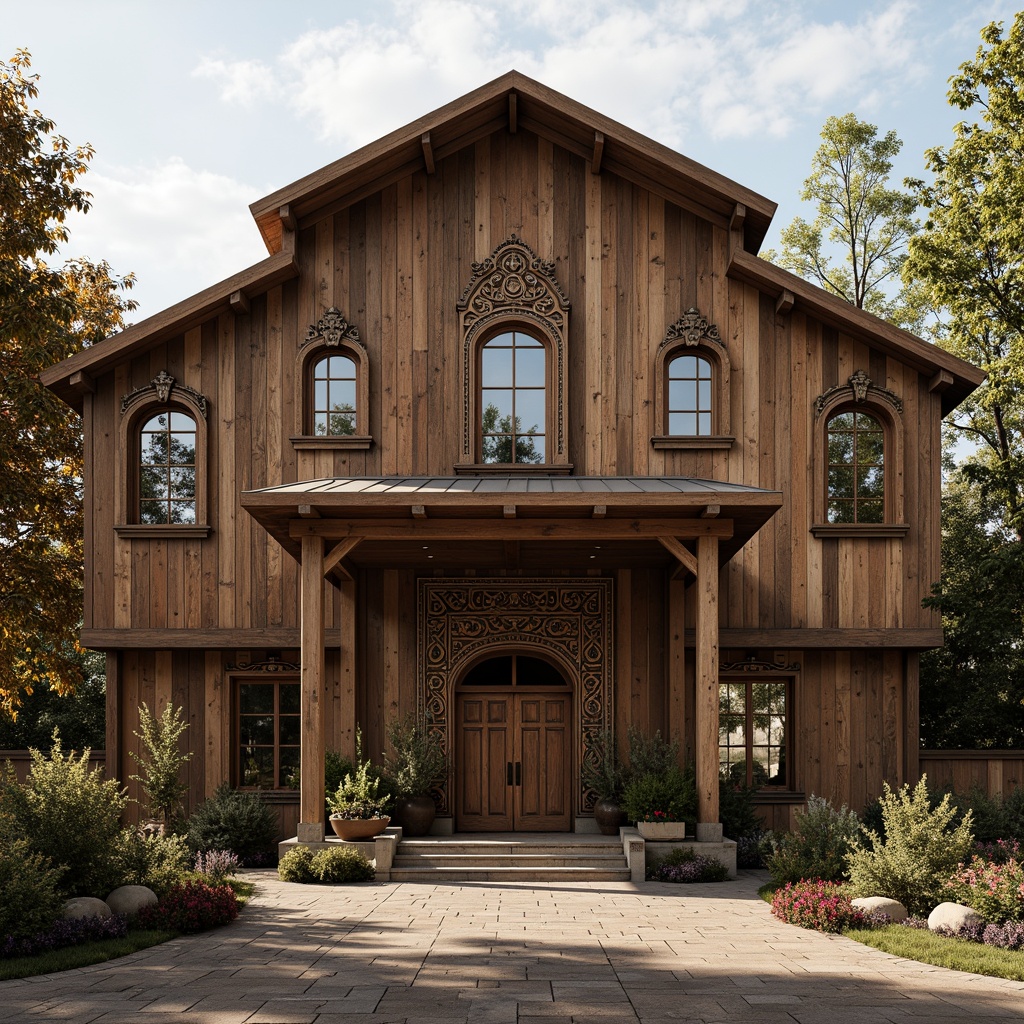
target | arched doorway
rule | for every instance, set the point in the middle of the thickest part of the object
(513, 746)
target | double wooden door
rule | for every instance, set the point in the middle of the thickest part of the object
(513, 762)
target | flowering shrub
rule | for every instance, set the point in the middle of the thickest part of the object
(996, 891)
(818, 845)
(1006, 936)
(972, 931)
(191, 907)
(65, 932)
(823, 906)
(217, 865)
(683, 865)
(999, 851)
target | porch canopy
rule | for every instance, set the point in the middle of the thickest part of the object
(505, 522)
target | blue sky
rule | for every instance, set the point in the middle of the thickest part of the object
(198, 108)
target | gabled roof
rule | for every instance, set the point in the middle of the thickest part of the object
(514, 101)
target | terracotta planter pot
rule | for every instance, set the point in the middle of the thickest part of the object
(415, 814)
(358, 828)
(662, 831)
(609, 817)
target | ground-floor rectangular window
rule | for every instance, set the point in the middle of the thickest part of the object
(267, 750)
(753, 731)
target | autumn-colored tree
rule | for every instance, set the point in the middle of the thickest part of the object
(47, 313)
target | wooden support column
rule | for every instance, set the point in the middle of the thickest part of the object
(314, 694)
(709, 828)
(347, 707)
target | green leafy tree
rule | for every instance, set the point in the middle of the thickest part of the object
(970, 260)
(500, 434)
(972, 692)
(161, 765)
(856, 244)
(46, 314)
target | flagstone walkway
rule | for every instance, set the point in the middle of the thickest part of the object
(543, 953)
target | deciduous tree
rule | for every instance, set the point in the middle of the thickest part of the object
(856, 244)
(46, 314)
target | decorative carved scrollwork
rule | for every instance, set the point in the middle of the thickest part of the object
(569, 620)
(859, 387)
(332, 328)
(160, 388)
(692, 328)
(271, 665)
(513, 282)
(753, 665)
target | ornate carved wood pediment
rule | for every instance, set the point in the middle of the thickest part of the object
(271, 665)
(753, 665)
(860, 388)
(160, 389)
(692, 329)
(332, 329)
(513, 283)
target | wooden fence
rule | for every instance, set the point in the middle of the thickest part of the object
(995, 772)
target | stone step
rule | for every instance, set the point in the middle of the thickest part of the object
(552, 859)
(510, 874)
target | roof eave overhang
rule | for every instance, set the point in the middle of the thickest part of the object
(953, 377)
(72, 378)
(539, 109)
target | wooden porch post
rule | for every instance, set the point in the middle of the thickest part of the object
(709, 828)
(314, 695)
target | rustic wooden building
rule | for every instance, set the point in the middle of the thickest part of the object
(513, 430)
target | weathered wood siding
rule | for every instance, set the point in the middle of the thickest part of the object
(995, 772)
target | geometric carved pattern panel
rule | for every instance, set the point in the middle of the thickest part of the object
(463, 620)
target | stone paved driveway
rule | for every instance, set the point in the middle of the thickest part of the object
(545, 953)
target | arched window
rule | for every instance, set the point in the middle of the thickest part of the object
(513, 399)
(335, 402)
(858, 461)
(160, 474)
(856, 468)
(689, 402)
(691, 386)
(167, 469)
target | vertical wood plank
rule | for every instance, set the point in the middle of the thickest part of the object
(346, 725)
(314, 696)
(391, 611)
(113, 767)
(217, 754)
(593, 417)
(676, 662)
(707, 688)
(227, 482)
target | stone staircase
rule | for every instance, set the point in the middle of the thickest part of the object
(508, 857)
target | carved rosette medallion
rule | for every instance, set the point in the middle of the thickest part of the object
(332, 329)
(160, 389)
(514, 283)
(692, 329)
(858, 387)
(568, 620)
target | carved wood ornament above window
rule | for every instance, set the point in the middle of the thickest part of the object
(858, 388)
(513, 288)
(693, 336)
(159, 390)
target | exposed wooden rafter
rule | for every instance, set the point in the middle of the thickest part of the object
(513, 114)
(239, 303)
(287, 215)
(428, 152)
(419, 511)
(595, 160)
(683, 555)
(785, 302)
(940, 382)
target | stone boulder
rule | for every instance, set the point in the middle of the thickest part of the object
(86, 906)
(881, 905)
(952, 916)
(130, 899)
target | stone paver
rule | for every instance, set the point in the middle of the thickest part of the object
(538, 953)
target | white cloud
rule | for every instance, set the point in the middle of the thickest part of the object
(177, 228)
(667, 69)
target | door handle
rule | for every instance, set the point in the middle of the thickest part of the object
(508, 773)
(519, 773)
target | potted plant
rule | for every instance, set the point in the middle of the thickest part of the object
(357, 806)
(415, 762)
(661, 803)
(603, 775)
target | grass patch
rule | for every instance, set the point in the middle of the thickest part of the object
(80, 956)
(89, 953)
(928, 948)
(767, 891)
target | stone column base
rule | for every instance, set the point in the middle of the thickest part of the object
(709, 832)
(310, 832)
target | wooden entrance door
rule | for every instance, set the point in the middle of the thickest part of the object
(513, 762)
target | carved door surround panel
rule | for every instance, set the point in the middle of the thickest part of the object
(461, 621)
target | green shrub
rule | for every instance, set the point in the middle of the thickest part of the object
(342, 865)
(684, 865)
(69, 813)
(159, 862)
(30, 897)
(297, 866)
(996, 891)
(649, 755)
(336, 767)
(817, 847)
(670, 794)
(416, 761)
(161, 766)
(602, 772)
(736, 810)
(921, 850)
(994, 817)
(325, 867)
(236, 821)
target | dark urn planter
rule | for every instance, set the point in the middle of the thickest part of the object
(609, 817)
(415, 814)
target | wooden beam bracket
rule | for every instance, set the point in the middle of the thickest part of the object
(595, 162)
(785, 302)
(419, 511)
(681, 553)
(513, 114)
(332, 559)
(509, 511)
(739, 215)
(239, 303)
(428, 152)
(82, 383)
(942, 381)
(308, 512)
(711, 512)
(288, 220)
